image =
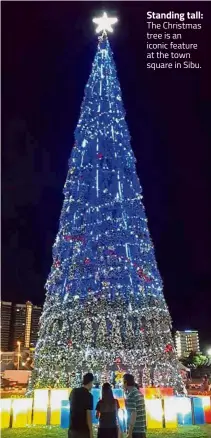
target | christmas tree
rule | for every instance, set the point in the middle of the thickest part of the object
(104, 302)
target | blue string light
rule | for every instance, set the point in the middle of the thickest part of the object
(104, 293)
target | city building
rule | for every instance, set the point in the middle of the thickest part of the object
(6, 318)
(19, 325)
(187, 341)
(35, 319)
(26, 324)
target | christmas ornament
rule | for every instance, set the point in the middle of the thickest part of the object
(57, 264)
(168, 348)
(119, 376)
(105, 283)
(142, 275)
(87, 261)
(67, 237)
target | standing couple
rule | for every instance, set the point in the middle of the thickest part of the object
(106, 411)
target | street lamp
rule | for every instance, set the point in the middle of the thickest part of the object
(19, 353)
(209, 352)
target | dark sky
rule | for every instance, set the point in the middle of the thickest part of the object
(47, 52)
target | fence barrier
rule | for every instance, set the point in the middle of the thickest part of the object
(52, 407)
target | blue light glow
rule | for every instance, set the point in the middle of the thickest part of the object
(104, 293)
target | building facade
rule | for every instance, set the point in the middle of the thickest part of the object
(6, 319)
(19, 324)
(35, 319)
(187, 341)
(26, 324)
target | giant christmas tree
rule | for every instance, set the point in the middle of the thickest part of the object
(104, 302)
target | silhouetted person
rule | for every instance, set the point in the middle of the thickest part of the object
(135, 406)
(81, 406)
(107, 412)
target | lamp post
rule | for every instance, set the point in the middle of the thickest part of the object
(19, 353)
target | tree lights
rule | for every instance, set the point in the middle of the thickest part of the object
(104, 293)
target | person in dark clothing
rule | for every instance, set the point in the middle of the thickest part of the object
(81, 406)
(107, 413)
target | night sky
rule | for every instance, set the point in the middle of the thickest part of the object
(47, 53)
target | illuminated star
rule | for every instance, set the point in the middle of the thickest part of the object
(104, 23)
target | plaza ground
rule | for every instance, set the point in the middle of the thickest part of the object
(57, 432)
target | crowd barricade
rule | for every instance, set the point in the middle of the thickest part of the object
(207, 410)
(52, 407)
(170, 412)
(57, 396)
(198, 410)
(150, 392)
(184, 411)
(22, 412)
(41, 407)
(5, 412)
(154, 413)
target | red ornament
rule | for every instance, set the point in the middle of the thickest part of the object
(142, 275)
(57, 264)
(87, 261)
(70, 343)
(111, 252)
(118, 360)
(168, 348)
(142, 330)
(99, 155)
(67, 237)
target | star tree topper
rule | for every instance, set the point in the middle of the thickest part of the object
(104, 23)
